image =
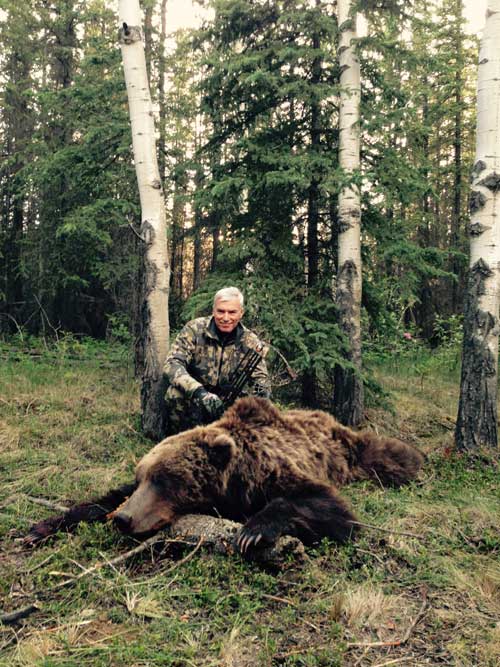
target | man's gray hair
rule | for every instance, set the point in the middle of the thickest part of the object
(227, 293)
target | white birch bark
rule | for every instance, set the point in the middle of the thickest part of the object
(348, 396)
(156, 270)
(477, 412)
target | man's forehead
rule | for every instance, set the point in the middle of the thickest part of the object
(228, 304)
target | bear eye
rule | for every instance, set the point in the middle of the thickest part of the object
(158, 481)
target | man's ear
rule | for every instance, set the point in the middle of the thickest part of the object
(220, 451)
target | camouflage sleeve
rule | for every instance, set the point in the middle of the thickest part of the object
(178, 360)
(261, 381)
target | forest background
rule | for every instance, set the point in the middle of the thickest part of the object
(247, 111)
(252, 184)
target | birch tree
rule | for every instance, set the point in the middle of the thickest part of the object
(154, 283)
(477, 411)
(348, 392)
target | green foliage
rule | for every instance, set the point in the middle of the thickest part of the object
(248, 148)
(73, 172)
(301, 325)
(260, 91)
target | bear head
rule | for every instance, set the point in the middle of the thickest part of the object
(184, 473)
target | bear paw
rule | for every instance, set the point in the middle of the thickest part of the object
(255, 533)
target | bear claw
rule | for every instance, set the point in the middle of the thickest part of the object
(244, 542)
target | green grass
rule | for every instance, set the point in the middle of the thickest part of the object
(69, 430)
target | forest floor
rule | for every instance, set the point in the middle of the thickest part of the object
(422, 589)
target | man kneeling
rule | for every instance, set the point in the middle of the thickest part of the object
(203, 360)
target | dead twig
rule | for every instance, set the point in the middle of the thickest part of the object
(186, 558)
(391, 662)
(275, 598)
(370, 553)
(387, 530)
(47, 503)
(156, 539)
(19, 330)
(136, 232)
(17, 614)
(44, 313)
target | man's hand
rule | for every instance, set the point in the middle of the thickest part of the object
(210, 405)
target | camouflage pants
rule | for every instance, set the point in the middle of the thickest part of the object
(181, 412)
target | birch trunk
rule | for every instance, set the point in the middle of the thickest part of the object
(154, 283)
(348, 393)
(456, 220)
(477, 410)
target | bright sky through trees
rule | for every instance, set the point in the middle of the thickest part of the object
(185, 14)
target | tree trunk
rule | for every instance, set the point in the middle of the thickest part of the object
(425, 307)
(309, 378)
(215, 229)
(178, 231)
(198, 226)
(456, 220)
(154, 339)
(477, 410)
(457, 196)
(348, 392)
(148, 34)
(162, 67)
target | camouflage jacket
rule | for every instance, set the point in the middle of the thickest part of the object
(200, 357)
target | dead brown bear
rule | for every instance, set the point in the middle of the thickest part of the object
(277, 472)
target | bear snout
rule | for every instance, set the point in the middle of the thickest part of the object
(144, 512)
(123, 522)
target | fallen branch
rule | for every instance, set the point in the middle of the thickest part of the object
(47, 503)
(185, 559)
(219, 535)
(23, 612)
(192, 530)
(152, 541)
(18, 614)
(394, 661)
(387, 530)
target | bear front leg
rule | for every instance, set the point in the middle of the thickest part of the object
(89, 512)
(309, 514)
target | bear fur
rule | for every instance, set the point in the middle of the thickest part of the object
(276, 471)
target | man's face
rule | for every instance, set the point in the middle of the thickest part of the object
(227, 314)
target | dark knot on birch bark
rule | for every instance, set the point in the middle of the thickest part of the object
(128, 34)
(492, 182)
(148, 232)
(476, 201)
(478, 167)
(476, 228)
(481, 269)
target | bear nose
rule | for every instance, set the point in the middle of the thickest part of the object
(123, 522)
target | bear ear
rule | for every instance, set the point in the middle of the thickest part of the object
(253, 410)
(220, 451)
